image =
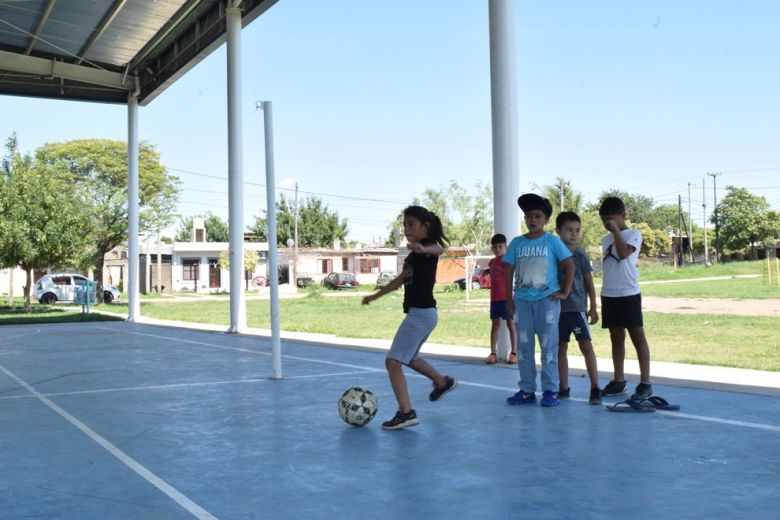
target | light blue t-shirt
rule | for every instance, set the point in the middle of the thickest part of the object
(536, 265)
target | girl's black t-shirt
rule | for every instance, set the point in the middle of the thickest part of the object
(418, 286)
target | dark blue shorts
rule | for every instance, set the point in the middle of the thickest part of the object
(499, 310)
(573, 323)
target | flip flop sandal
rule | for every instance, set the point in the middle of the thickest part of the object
(630, 406)
(659, 403)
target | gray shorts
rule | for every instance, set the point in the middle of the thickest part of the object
(414, 330)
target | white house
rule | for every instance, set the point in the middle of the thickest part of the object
(195, 265)
(15, 276)
(365, 263)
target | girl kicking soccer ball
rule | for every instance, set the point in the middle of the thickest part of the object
(426, 241)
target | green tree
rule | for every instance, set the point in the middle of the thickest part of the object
(318, 226)
(251, 259)
(99, 168)
(161, 213)
(648, 239)
(467, 217)
(572, 199)
(744, 220)
(216, 228)
(591, 231)
(46, 220)
(475, 224)
(666, 217)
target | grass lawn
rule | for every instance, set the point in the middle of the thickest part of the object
(665, 272)
(733, 288)
(733, 341)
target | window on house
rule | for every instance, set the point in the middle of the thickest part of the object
(369, 265)
(189, 269)
(327, 266)
(344, 263)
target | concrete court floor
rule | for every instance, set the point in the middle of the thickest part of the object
(124, 421)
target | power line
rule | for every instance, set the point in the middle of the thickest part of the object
(322, 194)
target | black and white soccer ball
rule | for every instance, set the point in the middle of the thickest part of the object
(357, 406)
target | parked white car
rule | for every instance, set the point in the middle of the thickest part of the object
(53, 288)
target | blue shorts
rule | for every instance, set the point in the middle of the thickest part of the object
(573, 323)
(499, 310)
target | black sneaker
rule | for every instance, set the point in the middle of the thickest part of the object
(437, 391)
(401, 420)
(564, 393)
(595, 396)
(614, 388)
(643, 391)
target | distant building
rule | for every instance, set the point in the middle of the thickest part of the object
(315, 263)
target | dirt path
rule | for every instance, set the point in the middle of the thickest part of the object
(712, 306)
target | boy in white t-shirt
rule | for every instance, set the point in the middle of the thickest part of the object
(621, 301)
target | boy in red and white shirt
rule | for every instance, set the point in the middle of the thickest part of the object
(498, 307)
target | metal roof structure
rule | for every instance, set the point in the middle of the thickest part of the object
(99, 50)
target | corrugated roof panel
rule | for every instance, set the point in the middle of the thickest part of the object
(69, 25)
(131, 29)
(22, 15)
(159, 39)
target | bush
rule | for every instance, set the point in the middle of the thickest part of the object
(313, 290)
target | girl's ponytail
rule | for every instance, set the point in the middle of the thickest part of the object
(435, 228)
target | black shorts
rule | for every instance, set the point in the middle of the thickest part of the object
(622, 311)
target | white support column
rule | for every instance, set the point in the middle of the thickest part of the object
(133, 298)
(273, 253)
(235, 170)
(503, 102)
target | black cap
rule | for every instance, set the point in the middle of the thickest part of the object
(531, 201)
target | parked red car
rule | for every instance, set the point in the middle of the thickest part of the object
(480, 279)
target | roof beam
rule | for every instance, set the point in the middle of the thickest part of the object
(56, 69)
(39, 25)
(101, 28)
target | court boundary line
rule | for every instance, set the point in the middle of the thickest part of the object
(177, 496)
(673, 414)
(181, 385)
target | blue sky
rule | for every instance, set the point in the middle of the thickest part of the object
(376, 101)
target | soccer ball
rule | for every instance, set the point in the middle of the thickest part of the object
(357, 406)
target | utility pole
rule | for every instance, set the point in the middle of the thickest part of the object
(690, 222)
(717, 224)
(295, 251)
(704, 219)
(561, 194)
(678, 257)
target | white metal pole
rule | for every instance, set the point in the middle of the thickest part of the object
(295, 245)
(273, 254)
(235, 170)
(133, 251)
(503, 105)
